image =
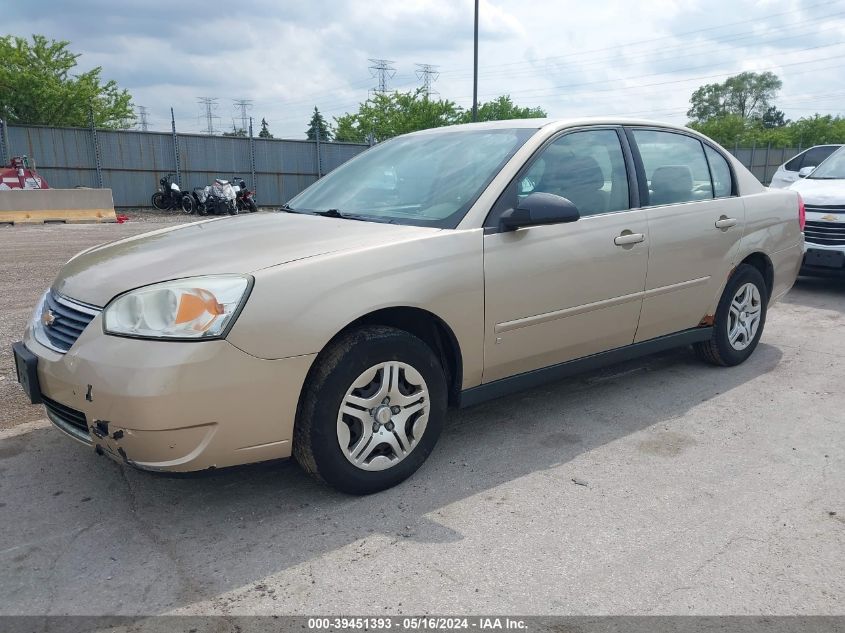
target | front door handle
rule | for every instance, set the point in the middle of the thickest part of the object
(627, 238)
(724, 222)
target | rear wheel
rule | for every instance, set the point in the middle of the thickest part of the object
(371, 411)
(251, 206)
(739, 321)
(188, 203)
(158, 200)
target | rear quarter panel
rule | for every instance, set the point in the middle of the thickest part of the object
(771, 227)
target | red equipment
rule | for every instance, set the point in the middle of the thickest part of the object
(19, 174)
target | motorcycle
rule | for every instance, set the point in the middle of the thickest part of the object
(220, 199)
(245, 199)
(171, 198)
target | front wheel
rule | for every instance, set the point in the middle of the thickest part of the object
(739, 321)
(158, 200)
(251, 206)
(187, 204)
(371, 410)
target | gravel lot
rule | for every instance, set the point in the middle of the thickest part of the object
(659, 486)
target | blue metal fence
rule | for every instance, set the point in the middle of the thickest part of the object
(132, 162)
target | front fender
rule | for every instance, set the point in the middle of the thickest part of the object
(296, 308)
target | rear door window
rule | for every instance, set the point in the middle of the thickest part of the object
(721, 173)
(675, 167)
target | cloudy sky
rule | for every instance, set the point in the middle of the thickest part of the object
(572, 58)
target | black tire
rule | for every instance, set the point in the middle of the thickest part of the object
(718, 349)
(315, 442)
(251, 206)
(187, 204)
(158, 200)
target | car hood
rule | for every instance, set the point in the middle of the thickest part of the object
(241, 244)
(818, 192)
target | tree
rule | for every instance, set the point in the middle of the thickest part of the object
(747, 95)
(38, 86)
(265, 130)
(773, 118)
(384, 116)
(236, 131)
(503, 108)
(318, 122)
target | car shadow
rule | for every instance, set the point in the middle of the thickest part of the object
(161, 543)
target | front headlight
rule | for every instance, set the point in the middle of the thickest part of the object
(193, 308)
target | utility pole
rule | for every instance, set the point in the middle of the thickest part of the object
(428, 74)
(383, 70)
(143, 124)
(244, 105)
(175, 148)
(475, 69)
(210, 105)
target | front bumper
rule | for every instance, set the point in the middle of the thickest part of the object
(821, 271)
(172, 406)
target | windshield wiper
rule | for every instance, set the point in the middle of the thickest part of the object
(335, 213)
(289, 209)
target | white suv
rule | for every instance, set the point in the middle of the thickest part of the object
(789, 171)
(823, 191)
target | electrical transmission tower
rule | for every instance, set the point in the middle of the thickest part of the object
(383, 70)
(244, 105)
(143, 123)
(428, 74)
(210, 105)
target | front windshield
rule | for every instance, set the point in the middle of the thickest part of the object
(831, 169)
(428, 179)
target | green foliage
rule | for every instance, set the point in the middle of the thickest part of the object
(747, 95)
(501, 109)
(384, 116)
(235, 132)
(265, 130)
(732, 131)
(38, 86)
(318, 122)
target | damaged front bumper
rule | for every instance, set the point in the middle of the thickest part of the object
(170, 406)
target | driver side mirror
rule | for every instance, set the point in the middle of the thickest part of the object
(539, 209)
(806, 171)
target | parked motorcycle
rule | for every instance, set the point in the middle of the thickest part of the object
(245, 199)
(170, 197)
(220, 199)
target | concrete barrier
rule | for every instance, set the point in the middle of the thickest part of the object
(56, 205)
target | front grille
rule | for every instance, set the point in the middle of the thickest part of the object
(69, 320)
(69, 420)
(831, 209)
(825, 233)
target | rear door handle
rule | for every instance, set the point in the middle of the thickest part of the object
(628, 238)
(724, 222)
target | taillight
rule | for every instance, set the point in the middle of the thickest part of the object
(802, 213)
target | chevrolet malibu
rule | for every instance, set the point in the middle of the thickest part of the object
(441, 268)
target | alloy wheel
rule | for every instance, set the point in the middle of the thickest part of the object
(383, 416)
(744, 316)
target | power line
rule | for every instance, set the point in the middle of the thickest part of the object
(383, 70)
(428, 74)
(244, 105)
(210, 105)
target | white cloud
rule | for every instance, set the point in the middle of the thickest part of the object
(606, 57)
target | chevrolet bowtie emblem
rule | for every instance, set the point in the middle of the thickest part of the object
(48, 318)
(829, 218)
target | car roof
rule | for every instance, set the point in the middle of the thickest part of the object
(557, 123)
